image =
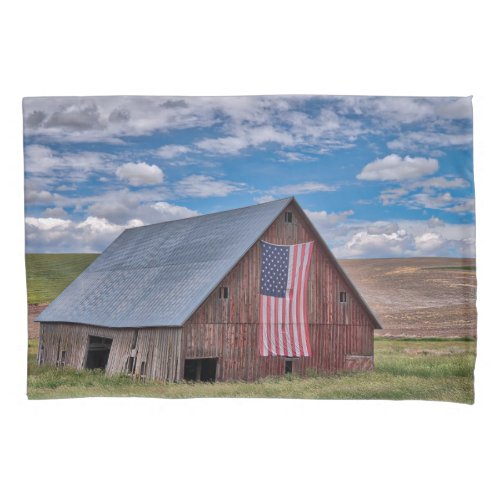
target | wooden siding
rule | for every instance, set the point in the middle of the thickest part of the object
(159, 348)
(228, 328)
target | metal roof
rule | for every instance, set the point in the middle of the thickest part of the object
(158, 275)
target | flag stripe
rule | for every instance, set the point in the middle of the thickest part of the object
(304, 295)
(299, 299)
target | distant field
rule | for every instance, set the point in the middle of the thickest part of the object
(49, 274)
(419, 297)
(437, 370)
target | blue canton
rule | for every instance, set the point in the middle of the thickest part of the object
(273, 269)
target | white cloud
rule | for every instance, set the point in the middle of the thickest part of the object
(57, 212)
(444, 201)
(246, 137)
(391, 196)
(288, 156)
(140, 174)
(429, 242)
(47, 223)
(173, 212)
(352, 238)
(171, 151)
(396, 168)
(264, 198)
(418, 140)
(42, 160)
(439, 183)
(397, 243)
(146, 204)
(302, 188)
(323, 219)
(203, 186)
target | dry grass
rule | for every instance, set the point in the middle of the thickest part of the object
(439, 370)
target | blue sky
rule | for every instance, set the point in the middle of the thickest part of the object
(378, 176)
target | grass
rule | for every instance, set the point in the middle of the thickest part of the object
(49, 274)
(439, 370)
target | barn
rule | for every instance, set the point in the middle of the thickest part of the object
(182, 300)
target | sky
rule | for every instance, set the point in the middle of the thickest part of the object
(378, 176)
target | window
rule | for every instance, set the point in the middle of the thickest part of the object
(143, 369)
(62, 362)
(134, 339)
(223, 292)
(288, 217)
(288, 365)
(130, 365)
(343, 297)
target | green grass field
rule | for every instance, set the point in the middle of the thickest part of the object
(439, 370)
(49, 274)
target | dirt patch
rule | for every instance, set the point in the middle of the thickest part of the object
(420, 297)
(33, 327)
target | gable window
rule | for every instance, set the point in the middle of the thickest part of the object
(343, 297)
(223, 292)
(288, 217)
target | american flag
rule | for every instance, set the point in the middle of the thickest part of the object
(283, 325)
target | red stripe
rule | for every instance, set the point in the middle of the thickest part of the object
(268, 323)
(299, 300)
(261, 326)
(283, 326)
(293, 330)
(276, 328)
(306, 319)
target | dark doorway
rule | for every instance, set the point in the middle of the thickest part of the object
(98, 352)
(200, 370)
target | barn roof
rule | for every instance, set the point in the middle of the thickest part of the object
(158, 275)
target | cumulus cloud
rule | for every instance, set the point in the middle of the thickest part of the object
(442, 182)
(94, 233)
(140, 174)
(246, 137)
(396, 168)
(148, 205)
(418, 140)
(397, 243)
(442, 201)
(203, 186)
(43, 160)
(264, 198)
(57, 212)
(401, 238)
(302, 188)
(292, 156)
(170, 151)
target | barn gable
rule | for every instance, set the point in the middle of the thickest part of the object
(341, 334)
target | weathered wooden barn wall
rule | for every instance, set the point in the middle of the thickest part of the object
(341, 334)
(158, 348)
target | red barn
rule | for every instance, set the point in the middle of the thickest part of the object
(180, 300)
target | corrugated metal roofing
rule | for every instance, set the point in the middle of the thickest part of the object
(158, 275)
